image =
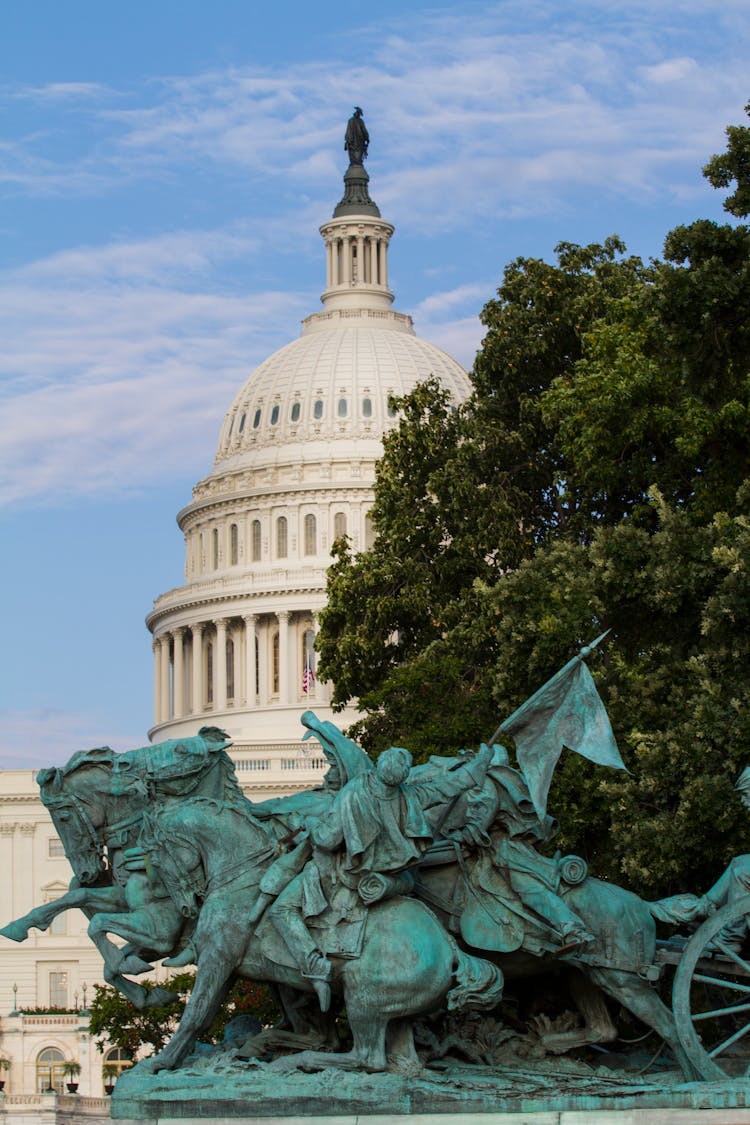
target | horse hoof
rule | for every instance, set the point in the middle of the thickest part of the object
(158, 997)
(14, 932)
(134, 965)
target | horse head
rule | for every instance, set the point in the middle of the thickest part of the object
(75, 796)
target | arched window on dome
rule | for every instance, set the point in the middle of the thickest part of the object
(318, 409)
(230, 668)
(392, 412)
(309, 665)
(275, 415)
(311, 535)
(256, 419)
(295, 412)
(234, 545)
(215, 548)
(342, 408)
(256, 541)
(241, 426)
(367, 408)
(281, 538)
(339, 525)
(275, 663)
(49, 1070)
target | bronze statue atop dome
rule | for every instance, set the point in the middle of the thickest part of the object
(357, 139)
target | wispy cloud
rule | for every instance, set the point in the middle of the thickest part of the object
(47, 737)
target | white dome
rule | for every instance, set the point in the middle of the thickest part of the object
(333, 383)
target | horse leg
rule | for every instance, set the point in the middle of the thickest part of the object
(123, 960)
(81, 898)
(401, 1052)
(639, 997)
(598, 1026)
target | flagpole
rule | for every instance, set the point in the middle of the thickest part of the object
(528, 703)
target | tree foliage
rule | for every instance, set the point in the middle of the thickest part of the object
(598, 477)
(116, 1022)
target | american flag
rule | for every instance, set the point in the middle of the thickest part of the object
(308, 679)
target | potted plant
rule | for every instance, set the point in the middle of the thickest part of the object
(71, 1069)
(4, 1065)
(109, 1072)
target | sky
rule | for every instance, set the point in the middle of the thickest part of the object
(164, 168)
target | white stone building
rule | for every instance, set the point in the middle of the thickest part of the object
(233, 645)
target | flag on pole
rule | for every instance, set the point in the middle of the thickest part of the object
(308, 677)
(566, 711)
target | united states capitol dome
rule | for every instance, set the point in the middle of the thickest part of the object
(294, 472)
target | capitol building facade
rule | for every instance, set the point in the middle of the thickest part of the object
(234, 644)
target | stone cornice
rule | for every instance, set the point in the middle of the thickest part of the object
(292, 493)
(163, 608)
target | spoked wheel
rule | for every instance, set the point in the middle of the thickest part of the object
(711, 997)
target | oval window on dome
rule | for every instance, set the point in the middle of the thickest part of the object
(318, 408)
(295, 412)
(391, 410)
(256, 420)
(367, 408)
(241, 426)
(274, 416)
(342, 408)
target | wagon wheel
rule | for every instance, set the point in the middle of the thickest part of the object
(711, 998)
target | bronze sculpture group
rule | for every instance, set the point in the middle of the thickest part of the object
(391, 891)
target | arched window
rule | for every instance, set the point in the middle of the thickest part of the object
(281, 538)
(318, 409)
(215, 548)
(234, 545)
(295, 411)
(311, 535)
(242, 423)
(367, 408)
(256, 419)
(339, 525)
(256, 540)
(343, 408)
(275, 664)
(116, 1060)
(275, 414)
(308, 662)
(49, 1070)
(230, 668)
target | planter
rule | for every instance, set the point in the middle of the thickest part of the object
(2, 1085)
(108, 1090)
(72, 1087)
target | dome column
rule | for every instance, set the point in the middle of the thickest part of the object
(198, 690)
(220, 665)
(283, 619)
(165, 703)
(250, 669)
(156, 649)
(178, 686)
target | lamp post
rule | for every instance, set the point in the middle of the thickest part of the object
(15, 1000)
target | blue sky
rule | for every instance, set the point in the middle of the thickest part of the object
(164, 168)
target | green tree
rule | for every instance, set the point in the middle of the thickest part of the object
(116, 1022)
(733, 166)
(596, 478)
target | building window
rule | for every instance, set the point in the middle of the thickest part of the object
(311, 535)
(318, 409)
(308, 662)
(295, 412)
(234, 545)
(256, 419)
(118, 1060)
(215, 548)
(343, 408)
(55, 849)
(392, 412)
(58, 990)
(58, 926)
(274, 415)
(281, 538)
(230, 668)
(339, 525)
(241, 426)
(255, 537)
(367, 408)
(275, 665)
(49, 1070)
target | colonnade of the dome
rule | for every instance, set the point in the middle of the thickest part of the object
(356, 259)
(235, 662)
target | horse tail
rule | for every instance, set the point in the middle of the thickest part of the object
(478, 983)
